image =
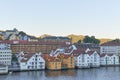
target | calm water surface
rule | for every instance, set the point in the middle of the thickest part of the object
(103, 73)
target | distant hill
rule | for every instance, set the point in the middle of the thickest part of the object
(103, 40)
(44, 35)
(76, 38)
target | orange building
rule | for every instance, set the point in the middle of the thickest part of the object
(62, 61)
(67, 61)
(52, 63)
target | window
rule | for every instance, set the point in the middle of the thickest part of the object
(71, 60)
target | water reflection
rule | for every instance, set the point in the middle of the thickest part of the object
(103, 73)
(60, 73)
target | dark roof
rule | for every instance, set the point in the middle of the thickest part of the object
(90, 52)
(55, 38)
(27, 56)
(111, 43)
(34, 42)
(102, 55)
(78, 52)
(87, 45)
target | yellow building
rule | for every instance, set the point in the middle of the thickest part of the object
(67, 61)
(1, 37)
(62, 61)
(52, 63)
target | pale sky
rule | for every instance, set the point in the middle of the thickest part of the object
(100, 18)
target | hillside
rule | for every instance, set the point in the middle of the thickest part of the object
(75, 38)
(103, 40)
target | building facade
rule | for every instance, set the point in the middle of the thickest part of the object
(34, 46)
(86, 58)
(5, 53)
(110, 48)
(31, 61)
(109, 59)
(3, 69)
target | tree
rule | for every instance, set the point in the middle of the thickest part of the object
(116, 40)
(14, 58)
(79, 41)
(91, 39)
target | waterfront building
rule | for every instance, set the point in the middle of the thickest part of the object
(3, 69)
(52, 63)
(82, 59)
(67, 61)
(86, 58)
(5, 53)
(31, 61)
(60, 58)
(94, 58)
(109, 59)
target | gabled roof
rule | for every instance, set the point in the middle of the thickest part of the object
(53, 59)
(79, 51)
(49, 58)
(102, 55)
(65, 56)
(27, 56)
(90, 52)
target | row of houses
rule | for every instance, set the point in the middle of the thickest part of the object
(65, 57)
(62, 59)
(16, 35)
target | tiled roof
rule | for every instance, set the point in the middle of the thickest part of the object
(87, 45)
(90, 52)
(65, 56)
(27, 56)
(49, 58)
(34, 42)
(102, 55)
(53, 59)
(55, 38)
(78, 52)
(111, 44)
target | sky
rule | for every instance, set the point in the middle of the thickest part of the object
(100, 18)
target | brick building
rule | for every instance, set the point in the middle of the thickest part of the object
(33, 47)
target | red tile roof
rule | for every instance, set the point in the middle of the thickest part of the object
(90, 52)
(27, 56)
(63, 44)
(78, 51)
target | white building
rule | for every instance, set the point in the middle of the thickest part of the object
(94, 59)
(30, 61)
(86, 58)
(110, 48)
(3, 69)
(5, 54)
(109, 59)
(82, 60)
